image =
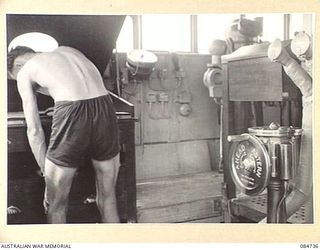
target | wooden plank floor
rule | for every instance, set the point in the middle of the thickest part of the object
(187, 198)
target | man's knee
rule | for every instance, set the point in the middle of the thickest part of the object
(57, 198)
(105, 182)
(105, 192)
(106, 170)
(58, 183)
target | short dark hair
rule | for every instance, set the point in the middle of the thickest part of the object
(14, 53)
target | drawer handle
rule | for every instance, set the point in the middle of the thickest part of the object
(9, 142)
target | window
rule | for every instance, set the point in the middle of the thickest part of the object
(166, 32)
(273, 25)
(125, 38)
(172, 32)
(39, 42)
(296, 23)
(212, 27)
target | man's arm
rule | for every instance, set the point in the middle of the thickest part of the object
(34, 128)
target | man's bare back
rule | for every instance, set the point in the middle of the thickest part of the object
(65, 74)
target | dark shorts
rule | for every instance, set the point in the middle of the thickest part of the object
(83, 128)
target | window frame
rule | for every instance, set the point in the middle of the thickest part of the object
(194, 46)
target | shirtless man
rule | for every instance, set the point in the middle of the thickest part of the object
(84, 122)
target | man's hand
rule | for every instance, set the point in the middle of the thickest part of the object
(45, 201)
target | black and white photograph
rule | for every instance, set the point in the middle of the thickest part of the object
(159, 124)
(160, 118)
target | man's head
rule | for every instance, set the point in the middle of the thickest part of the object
(16, 58)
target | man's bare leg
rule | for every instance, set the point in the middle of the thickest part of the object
(58, 184)
(106, 178)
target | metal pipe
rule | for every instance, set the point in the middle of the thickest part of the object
(286, 164)
(221, 160)
(303, 179)
(276, 209)
(281, 208)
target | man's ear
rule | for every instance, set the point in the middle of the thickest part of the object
(18, 65)
(10, 76)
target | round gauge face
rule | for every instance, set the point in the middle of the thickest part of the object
(250, 165)
(301, 43)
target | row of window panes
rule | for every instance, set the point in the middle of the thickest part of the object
(173, 33)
